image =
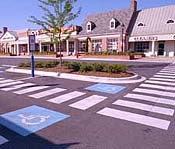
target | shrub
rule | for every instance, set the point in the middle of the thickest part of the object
(75, 66)
(27, 64)
(97, 67)
(84, 67)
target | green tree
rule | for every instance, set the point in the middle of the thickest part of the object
(56, 15)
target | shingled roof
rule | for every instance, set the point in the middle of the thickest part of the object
(102, 22)
(154, 21)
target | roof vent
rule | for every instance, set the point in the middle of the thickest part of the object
(170, 22)
(140, 24)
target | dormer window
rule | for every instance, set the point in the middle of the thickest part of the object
(140, 24)
(170, 22)
(113, 23)
(89, 27)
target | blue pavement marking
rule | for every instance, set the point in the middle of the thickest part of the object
(106, 88)
(30, 119)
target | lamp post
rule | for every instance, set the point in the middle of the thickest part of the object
(122, 26)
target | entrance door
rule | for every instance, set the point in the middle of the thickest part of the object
(161, 49)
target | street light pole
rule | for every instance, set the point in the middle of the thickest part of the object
(122, 36)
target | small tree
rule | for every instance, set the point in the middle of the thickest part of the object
(57, 14)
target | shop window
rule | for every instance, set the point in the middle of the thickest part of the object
(112, 45)
(141, 46)
(170, 22)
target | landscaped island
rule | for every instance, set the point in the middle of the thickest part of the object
(82, 68)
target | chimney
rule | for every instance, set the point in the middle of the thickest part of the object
(133, 5)
(5, 29)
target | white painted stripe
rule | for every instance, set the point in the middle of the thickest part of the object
(17, 87)
(11, 83)
(151, 99)
(30, 89)
(158, 87)
(88, 102)
(1, 78)
(6, 81)
(145, 107)
(137, 118)
(66, 97)
(167, 69)
(1, 67)
(159, 82)
(47, 93)
(162, 79)
(1, 71)
(160, 76)
(154, 92)
(3, 140)
(168, 74)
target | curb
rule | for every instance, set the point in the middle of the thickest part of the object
(128, 80)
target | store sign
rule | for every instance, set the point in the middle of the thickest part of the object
(146, 38)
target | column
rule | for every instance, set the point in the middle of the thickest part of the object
(153, 48)
(17, 49)
(75, 47)
(40, 46)
(67, 47)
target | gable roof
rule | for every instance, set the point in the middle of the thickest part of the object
(155, 21)
(102, 22)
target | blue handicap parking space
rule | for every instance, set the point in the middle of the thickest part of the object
(30, 119)
(106, 88)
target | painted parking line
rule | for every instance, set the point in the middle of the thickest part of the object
(154, 92)
(66, 97)
(162, 79)
(160, 82)
(3, 140)
(161, 76)
(17, 87)
(106, 88)
(30, 119)
(88, 102)
(137, 118)
(168, 74)
(6, 81)
(30, 89)
(47, 93)
(151, 99)
(158, 87)
(11, 83)
(145, 107)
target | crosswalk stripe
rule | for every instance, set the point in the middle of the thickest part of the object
(88, 102)
(168, 74)
(145, 107)
(17, 87)
(11, 83)
(3, 140)
(160, 82)
(137, 118)
(66, 97)
(154, 92)
(161, 76)
(162, 79)
(151, 99)
(1, 78)
(6, 81)
(165, 71)
(47, 93)
(158, 87)
(30, 89)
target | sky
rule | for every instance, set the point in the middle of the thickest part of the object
(15, 13)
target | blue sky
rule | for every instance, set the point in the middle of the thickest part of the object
(14, 13)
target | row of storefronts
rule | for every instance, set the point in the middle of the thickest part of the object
(151, 31)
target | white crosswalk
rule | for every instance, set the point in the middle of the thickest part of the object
(162, 76)
(3, 140)
(162, 79)
(160, 82)
(11, 88)
(11, 83)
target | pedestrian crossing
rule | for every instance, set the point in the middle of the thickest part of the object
(157, 91)
(40, 91)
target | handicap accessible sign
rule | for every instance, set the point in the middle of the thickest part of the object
(31, 119)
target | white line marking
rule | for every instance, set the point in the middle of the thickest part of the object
(66, 97)
(47, 93)
(154, 92)
(3, 140)
(167, 74)
(11, 83)
(162, 79)
(17, 87)
(137, 118)
(1, 67)
(160, 76)
(145, 107)
(6, 81)
(1, 78)
(158, 82)
(170, 72)
(88, 102)
(30, 89)
(151, 99)
(158, 87)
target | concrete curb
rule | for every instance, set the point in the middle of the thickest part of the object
(128, 80)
